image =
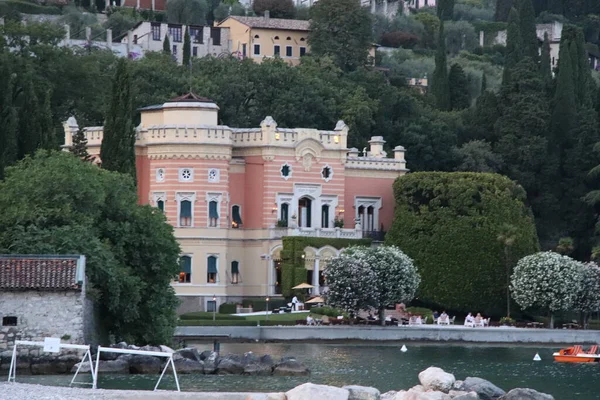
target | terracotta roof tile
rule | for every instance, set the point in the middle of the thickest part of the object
(274, 23)
(38, 273)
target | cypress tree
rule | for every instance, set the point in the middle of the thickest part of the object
(527, 30)
(9, 121)
(445, 9)
(48, 138)
(503, 10)
(564, 107)
(79, 148)
(556, 7)
(459, 91)
(513, 52)
(439, 81)
(187, 48)
(546, 63)
(117, 151)
(166, 45)
(483, 83)
(29, 136)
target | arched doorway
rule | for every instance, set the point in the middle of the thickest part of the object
(304, 212)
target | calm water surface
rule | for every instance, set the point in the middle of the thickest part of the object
(382, 366)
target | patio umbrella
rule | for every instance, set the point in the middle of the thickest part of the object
(316, 300)
(303, 286)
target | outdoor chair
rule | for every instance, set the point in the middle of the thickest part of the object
(452, 320)
(444, 321)
(325, 320)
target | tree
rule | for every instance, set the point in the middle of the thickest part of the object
(507, 236)
(79, 148)
(430, 25)
(445, 9)
(478, 156)
(47, 136)
(187, 47)
(565, 246)
(459, 90)
(438, 217)
(503, 9)
(222, 11)
(546, 63)
(514, 49)
(187, 12)
(557, 291)
(117, 151)
(167, 45)
(371, 277)
(9, 119)
(440, 88)
(276, 8)
(564, 110)
(588, 298)
(527, 30)
(341, 29)
(55, 204)
(29, 136)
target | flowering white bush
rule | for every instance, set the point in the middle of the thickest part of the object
(364, 277)
(547, 280)
(588, 298)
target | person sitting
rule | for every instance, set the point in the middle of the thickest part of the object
(443, 319)
(419, 320)
(435, 316)
(478, 320)
(469, 320)
(310, 320)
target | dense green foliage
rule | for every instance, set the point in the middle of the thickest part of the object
(441, 218)
(440, 87)
(56, 204)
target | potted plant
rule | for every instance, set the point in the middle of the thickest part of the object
(338, 222)
(282, 223)
(507, 321)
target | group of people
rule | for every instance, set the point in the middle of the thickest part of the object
(442, 318)
(477, 320)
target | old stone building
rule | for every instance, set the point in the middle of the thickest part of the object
(43, 296)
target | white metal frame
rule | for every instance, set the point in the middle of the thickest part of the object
(12, 372)
(141, 353)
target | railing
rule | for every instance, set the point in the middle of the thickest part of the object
(277, 233)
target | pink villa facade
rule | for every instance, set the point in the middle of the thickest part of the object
(233, 193)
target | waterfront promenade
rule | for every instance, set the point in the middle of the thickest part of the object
(433, 333)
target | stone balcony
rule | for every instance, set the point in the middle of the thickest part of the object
(334, 233)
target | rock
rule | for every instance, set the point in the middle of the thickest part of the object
(290, 367)
(205, 354)
(310, 391)
(118, 366)
(276, 396)
(186, 366)
(362, 393)
(267, 360)
(251, 358)
(166, 349)
(230, 365)
(144, 365)
(418, 388)
(434, 378)
(48, 367)
(106, 356)
(389, 395)
(190, 353)
(417, 395)
(121, 345)
(132, 347)
(258, 369)
(458, 395)
(526, 394)
(457, 385)
(485, 389)
(210, 362)
(151, 348)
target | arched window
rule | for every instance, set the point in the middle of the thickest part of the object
(236, 217)
(160, 204)
(302, 39)
(325, 216)
(185, 269)
(185, 213)
(276, 38)
(235, 272)
(211, 269)
(213, 213)
(256, 37)
(304, 212)
(288, 38)
(284, 215)
(370, 219)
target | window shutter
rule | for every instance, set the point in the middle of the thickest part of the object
(186, 209)
(186, 264)
(212, 265)
(235, 267)
(284, 211)
(237, 218)
(212, 210)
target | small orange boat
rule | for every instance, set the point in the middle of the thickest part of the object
(576, 354)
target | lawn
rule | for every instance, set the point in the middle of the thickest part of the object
(277, 317)
(206, 319)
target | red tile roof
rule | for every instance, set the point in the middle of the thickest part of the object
(38, 273)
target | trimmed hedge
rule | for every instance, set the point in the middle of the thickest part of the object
(449, 224)
(208, 316)
(27, 8)
(292, 264)
(203, 322)
(329, 311)
(261, 304)
(227, 308)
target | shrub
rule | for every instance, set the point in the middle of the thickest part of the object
(399, 39)
(449, 224)
(27, 8)
(276, 8)
(201, 315)
(261, 304)
(227, 308)
(204, 322)
(325, 310)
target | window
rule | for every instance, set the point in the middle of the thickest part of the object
(257, 49)
(211, 306)
(302, 51)
(174, 50)
(327, 173)
(256, 37)
(215, 34)
(276, 38)
(211, 270)
(214, 175)
(244, 50)
(156, 31)
(197, 34)
(285, 212)
(135, 39)
(288, 38)
(185, 213)
(213, 213)
(9, 321)
(286, 171)
(288, 51)
(367, 212)
(160, 175)
(325, 216)
(304, 212)
(186, 175)
(185, 269)
(195, 51)
(235, 272)
(302, 39)
(160, 204)
(236, 217)
(276, 50)
(175, 33)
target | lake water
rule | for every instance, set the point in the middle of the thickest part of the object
(382, 366)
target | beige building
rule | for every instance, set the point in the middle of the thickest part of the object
(263, 37)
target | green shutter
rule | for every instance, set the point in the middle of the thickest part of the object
(308, 213)
(325, 216)
(212, 210)
(161, 205)
(212, 265)
(186, 209)
(284, 211)
(186, 264)
(235, 267)
(237, 218)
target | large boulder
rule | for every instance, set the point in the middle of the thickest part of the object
(46, 366)
(310, 391)
(144, 365)
(186, 366)
(434, 378)
(166, 349)
(231, 364)
(211, 360)
(485, 389)
(389, 395)
(362, 393)
(413, 394)
(526, 394)
(190, 353)
(290, 367)
(459, 395)
(118, 366)
(151, 348)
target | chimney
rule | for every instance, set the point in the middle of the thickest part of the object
(399, 153)
(267, 14)
(376, 143)
(109, 38)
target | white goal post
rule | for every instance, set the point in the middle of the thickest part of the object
(51, 345)
(136, 352)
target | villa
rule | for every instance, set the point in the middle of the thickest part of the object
(235, 195)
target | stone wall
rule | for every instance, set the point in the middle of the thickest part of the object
(42, 314)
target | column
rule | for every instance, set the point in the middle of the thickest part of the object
(373, 6)
(109, 39)
(385, 7)
(315, 277)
